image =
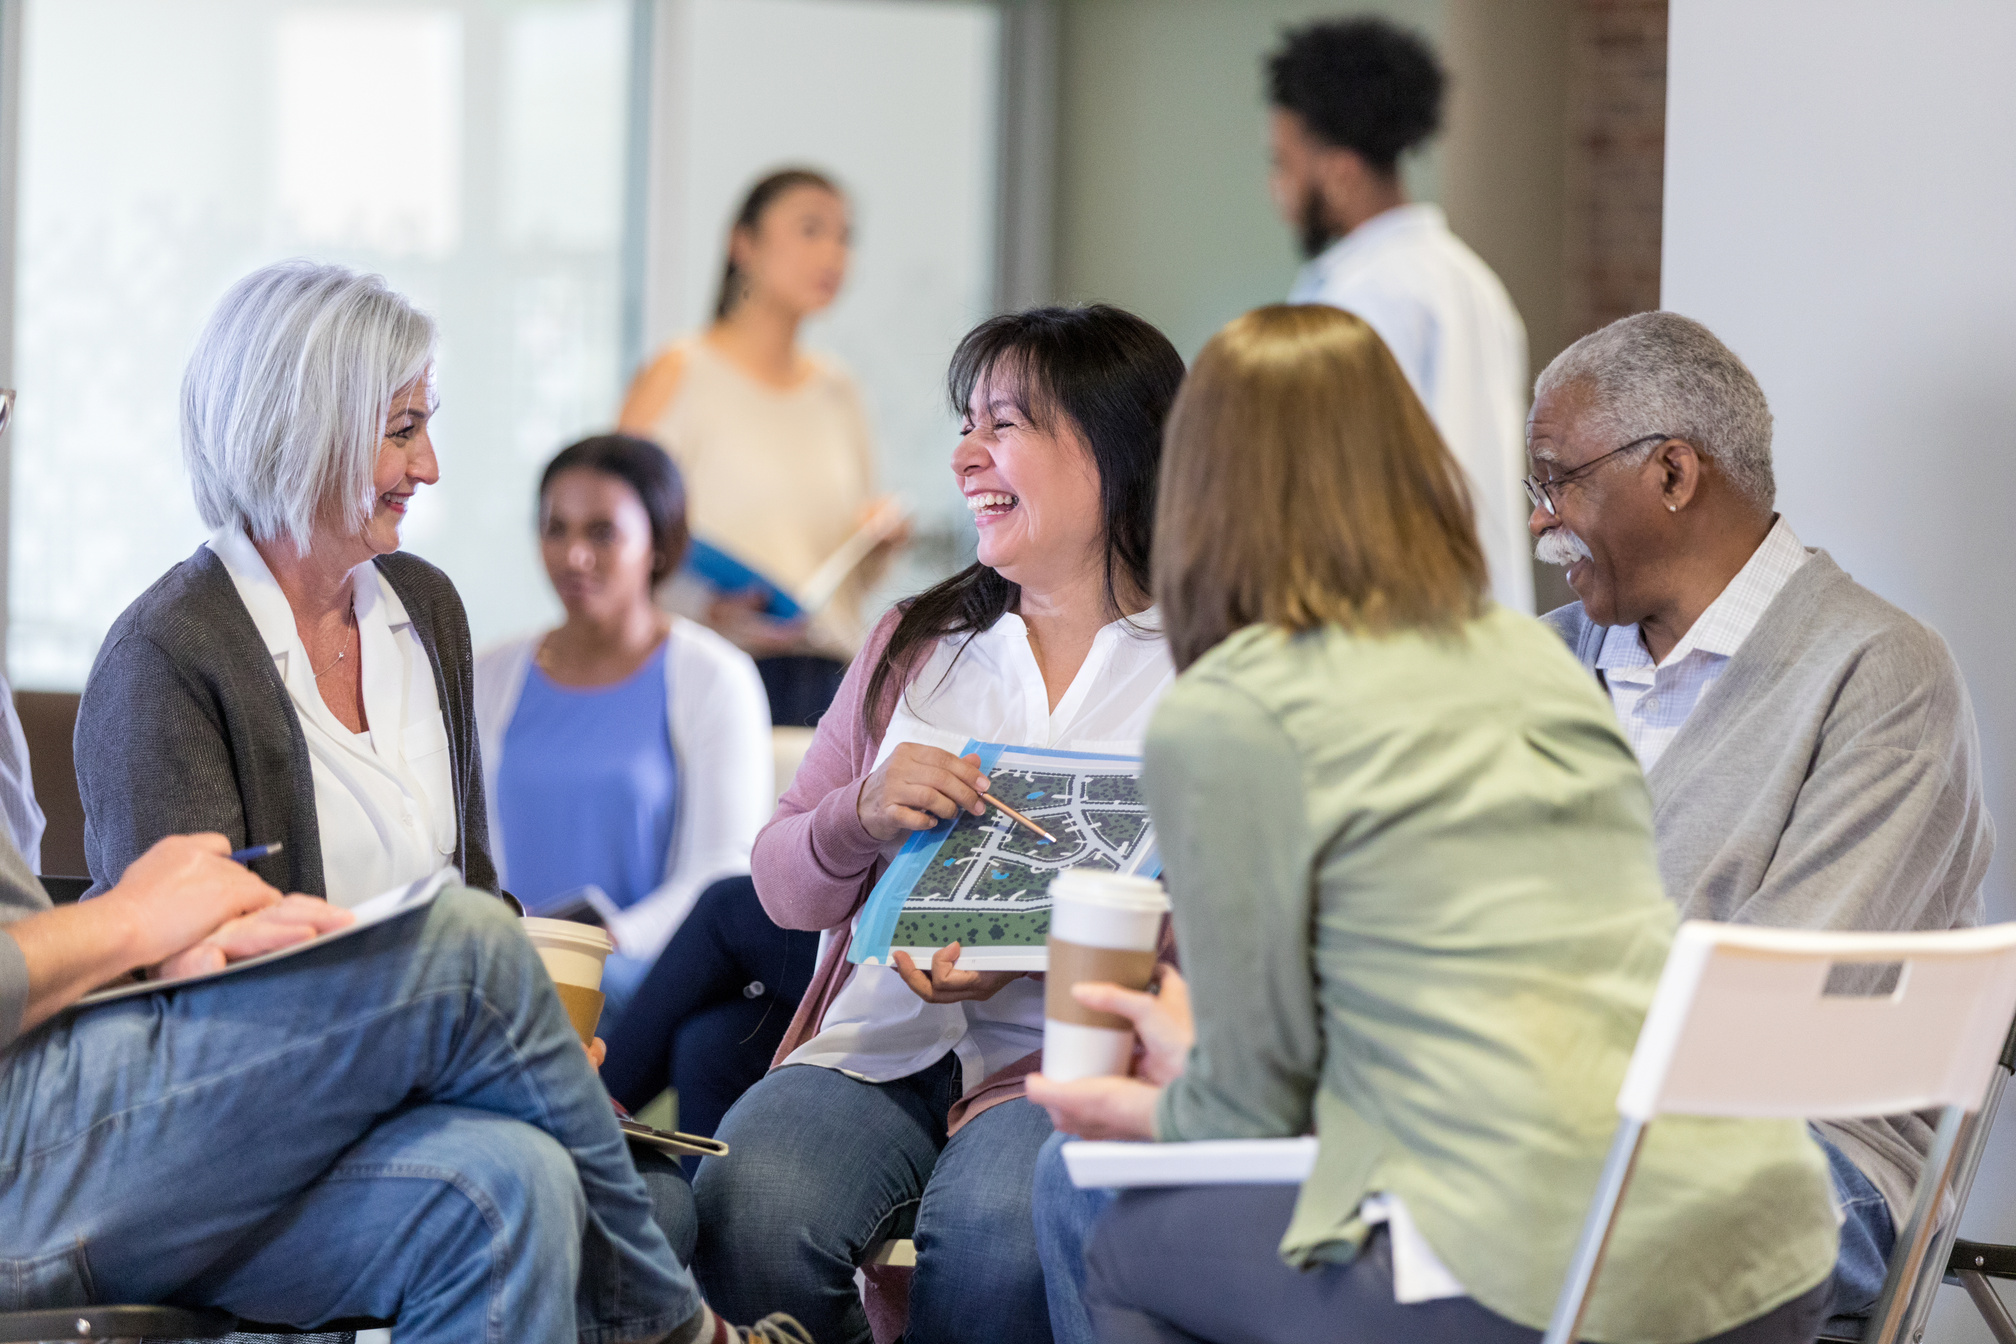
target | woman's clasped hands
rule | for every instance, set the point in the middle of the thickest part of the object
(1124, 1108)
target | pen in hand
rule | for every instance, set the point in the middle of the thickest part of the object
(1048, 838)
(257, 852)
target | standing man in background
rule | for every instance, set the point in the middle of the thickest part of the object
(1347, 98)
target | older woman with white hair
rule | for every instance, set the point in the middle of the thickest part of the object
(297, 679)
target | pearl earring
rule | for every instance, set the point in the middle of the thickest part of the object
(1672, 508)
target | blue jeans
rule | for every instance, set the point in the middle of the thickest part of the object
(400, 1124)
(1064, 1215)
(1867, 1236)
(823, 1167)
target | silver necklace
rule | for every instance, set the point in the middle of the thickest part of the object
(337, 659)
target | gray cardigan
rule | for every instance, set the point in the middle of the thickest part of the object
(185, 726)
(1830, 779)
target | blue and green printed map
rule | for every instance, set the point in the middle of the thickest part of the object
(984, 882)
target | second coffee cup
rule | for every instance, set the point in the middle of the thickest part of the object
(1103, 927)
(573, 954)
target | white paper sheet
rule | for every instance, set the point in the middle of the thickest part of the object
(1115, 1166)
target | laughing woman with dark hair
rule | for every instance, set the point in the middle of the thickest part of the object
(899, 1089)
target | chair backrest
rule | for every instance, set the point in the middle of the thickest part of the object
(787, 752)
(48, 721)
(1751, 1021)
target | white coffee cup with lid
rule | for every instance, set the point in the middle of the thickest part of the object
(1103, 927)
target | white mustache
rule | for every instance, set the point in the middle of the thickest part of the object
(1559, 546)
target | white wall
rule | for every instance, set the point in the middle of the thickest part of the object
(1841, 209)
(895, 98)
(1162, 155)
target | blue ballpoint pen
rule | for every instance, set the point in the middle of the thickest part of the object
(257, 852)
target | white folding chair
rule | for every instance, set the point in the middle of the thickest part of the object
(1754, 1022)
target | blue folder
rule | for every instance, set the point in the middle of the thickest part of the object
(730, 577)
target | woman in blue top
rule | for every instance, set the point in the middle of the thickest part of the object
(626, 751)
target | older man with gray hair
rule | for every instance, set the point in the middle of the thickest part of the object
(1810, 749)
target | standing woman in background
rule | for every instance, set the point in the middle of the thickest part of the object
(299, 678)
(627, 749)
(772, 440)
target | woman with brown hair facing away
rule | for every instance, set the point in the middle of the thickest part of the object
(1410, 856)
(772, 440)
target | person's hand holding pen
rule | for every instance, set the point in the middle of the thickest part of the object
(167, 879)
(918, 787)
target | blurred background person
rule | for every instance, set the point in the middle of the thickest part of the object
(772, 439)
(1347, 98)
(297, 679)
(626, 750)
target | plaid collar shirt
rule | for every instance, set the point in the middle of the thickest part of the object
(1654, 703)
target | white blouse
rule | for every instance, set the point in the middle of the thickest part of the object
(989, 689)
(1449, 322)
(384, 798)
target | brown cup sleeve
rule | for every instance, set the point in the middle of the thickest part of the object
(584, 1008)
(1074, 963)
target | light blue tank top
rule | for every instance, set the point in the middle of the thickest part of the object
(588, 787)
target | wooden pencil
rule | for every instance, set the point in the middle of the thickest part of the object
(1019, 817)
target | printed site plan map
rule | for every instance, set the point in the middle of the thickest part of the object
(984, 882)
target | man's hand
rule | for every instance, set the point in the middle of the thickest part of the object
(182, 895)
(1124, 1108)
(179, 893)
(918, 787)
(947, 983)
(295, 919)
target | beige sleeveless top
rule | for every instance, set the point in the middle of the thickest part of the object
(776, 478)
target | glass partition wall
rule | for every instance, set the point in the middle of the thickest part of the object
(471, 153)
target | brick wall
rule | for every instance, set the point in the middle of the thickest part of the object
(1616, 160)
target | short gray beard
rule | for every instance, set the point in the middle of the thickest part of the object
(1559, 546)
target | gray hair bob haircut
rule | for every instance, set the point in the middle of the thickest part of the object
(1661, 373)
(285, 398)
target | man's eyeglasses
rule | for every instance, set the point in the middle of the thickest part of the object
(1541, 492)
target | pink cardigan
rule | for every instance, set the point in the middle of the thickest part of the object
(815, 863)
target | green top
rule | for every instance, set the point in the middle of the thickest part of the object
(1416, 897)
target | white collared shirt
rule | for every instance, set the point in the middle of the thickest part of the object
(384, 798)
(1452, 327)
(989, 689)
(1654, 703)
